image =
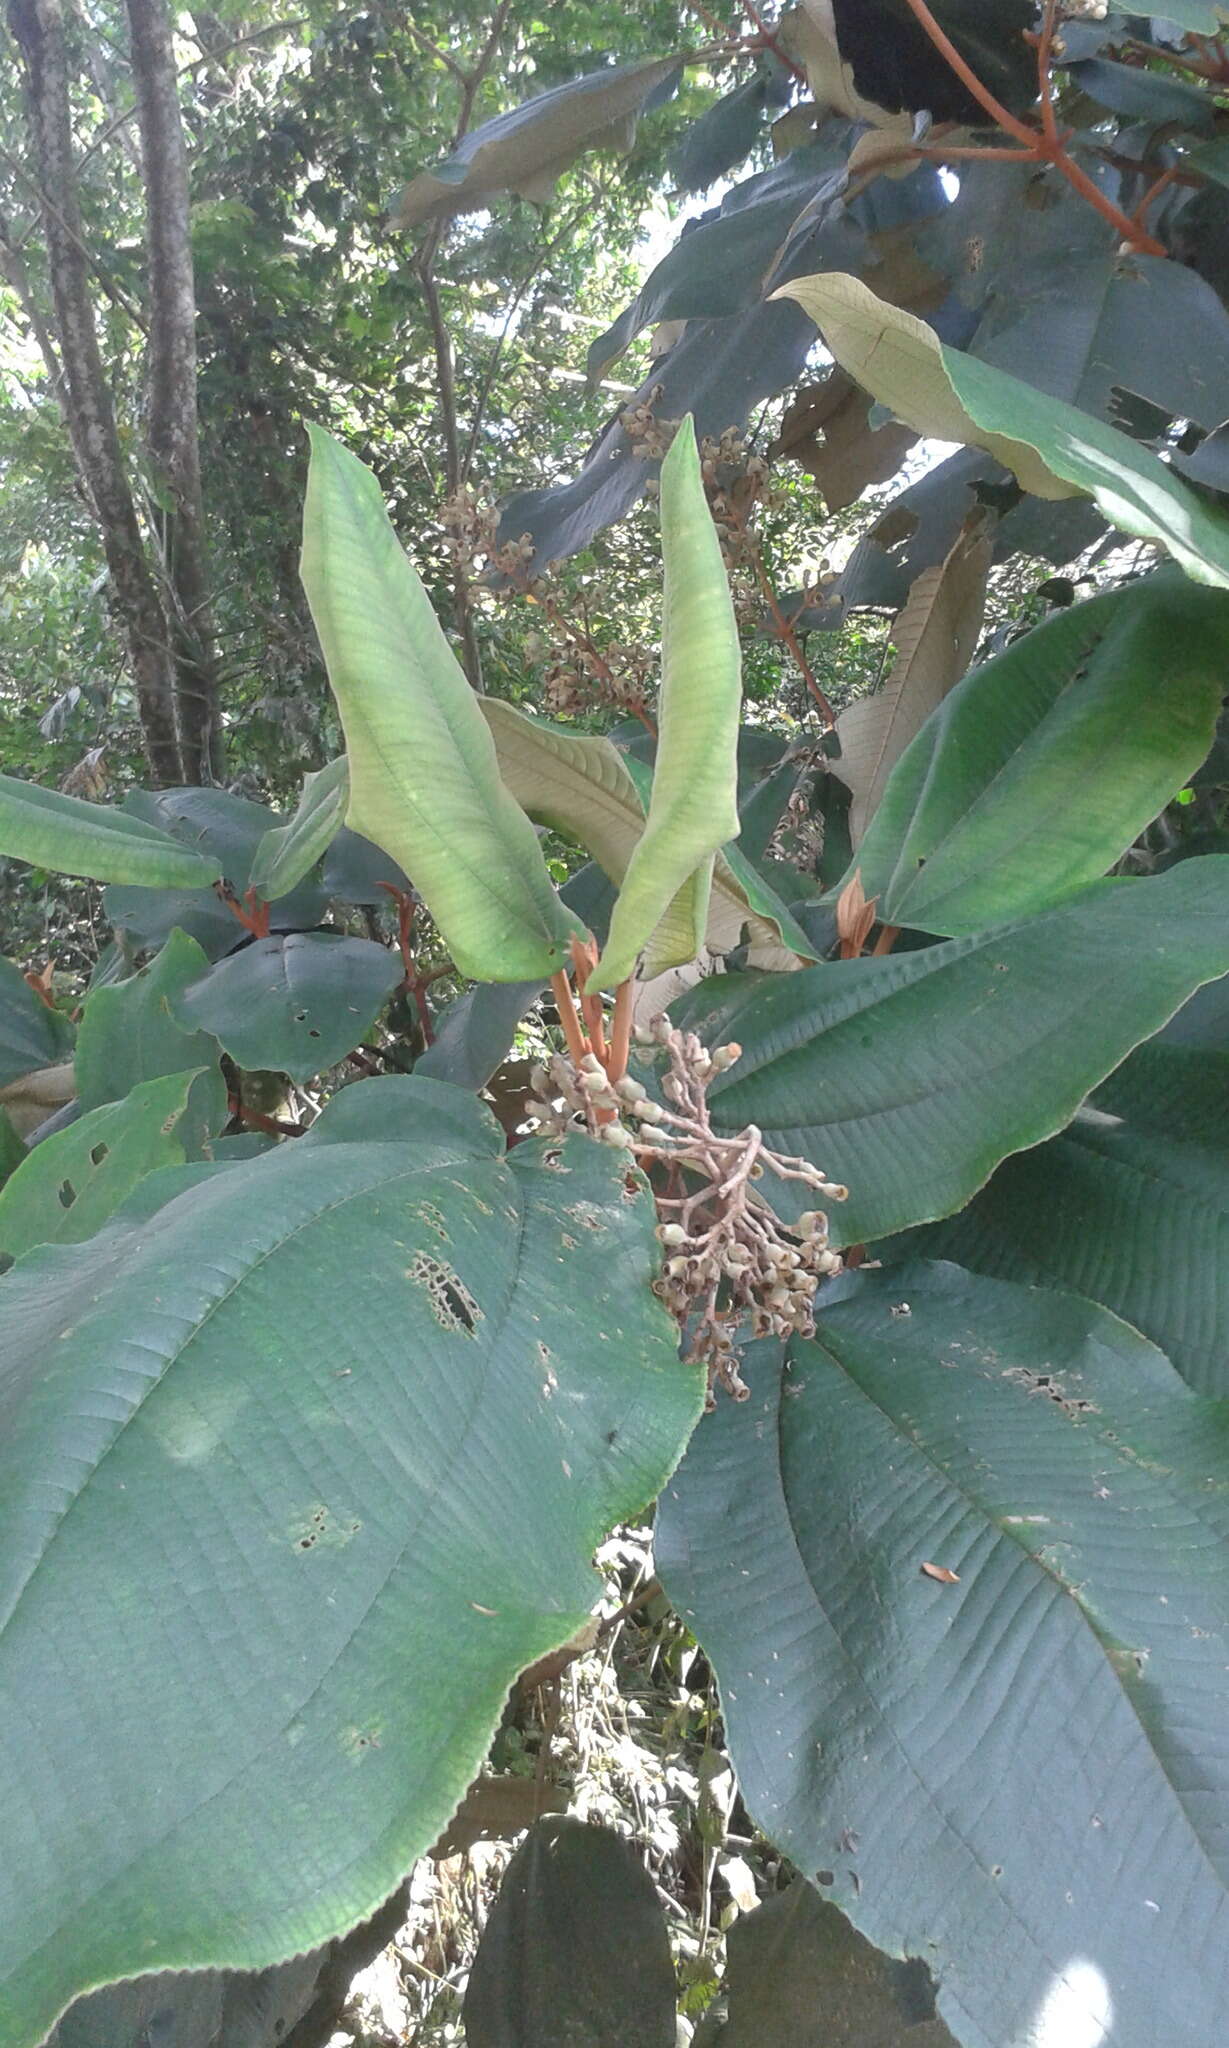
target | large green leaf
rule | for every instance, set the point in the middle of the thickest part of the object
(128, 1033)
(67, 1187)
(1053, 449)
(909, 1078)
(1039, 769)
(693, 809)
(297, 1003)
(296, 1473)
(31, 1033)
(288, 852)
(1130, 1206)
(961, 1570)
(575, 1949)
(424, 783)
(72, 837)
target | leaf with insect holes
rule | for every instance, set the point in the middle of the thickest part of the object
(380, 1390)
(1022, 1747)
(297, 1003)
(68, 1186)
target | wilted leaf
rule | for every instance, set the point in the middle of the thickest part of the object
(935, 638)
(827, 431)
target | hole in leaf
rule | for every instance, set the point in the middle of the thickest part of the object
(454, 1305)
(313, 1033)
(300, 1016)
(67, 1193)
(98, 1153)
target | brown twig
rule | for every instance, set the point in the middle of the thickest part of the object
(770, 41)
(1045, 146)
(416, 984)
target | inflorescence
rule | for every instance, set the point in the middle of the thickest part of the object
(729, 1260)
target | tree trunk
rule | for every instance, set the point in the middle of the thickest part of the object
(173, 441)
(38, 26)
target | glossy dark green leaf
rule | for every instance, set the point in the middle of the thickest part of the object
(910, 1078)
(575, 1948)
(961, 1570)
(296, 1473)
(31, 1033)
(296, 1003)
(1129, 1206)
(1038, 770)
(474, 1033)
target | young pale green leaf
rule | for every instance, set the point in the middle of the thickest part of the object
(1054, 449)
(67, 1187)
(909, 1078)
(694, 808)
(297, 1472)
(101, 844)
(1041, 767)
(424, 782)
(588, 789)
(962, 1570)
(289, 852)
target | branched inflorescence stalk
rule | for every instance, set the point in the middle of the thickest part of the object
(731, 1266)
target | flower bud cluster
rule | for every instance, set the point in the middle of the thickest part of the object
(730, 1266)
